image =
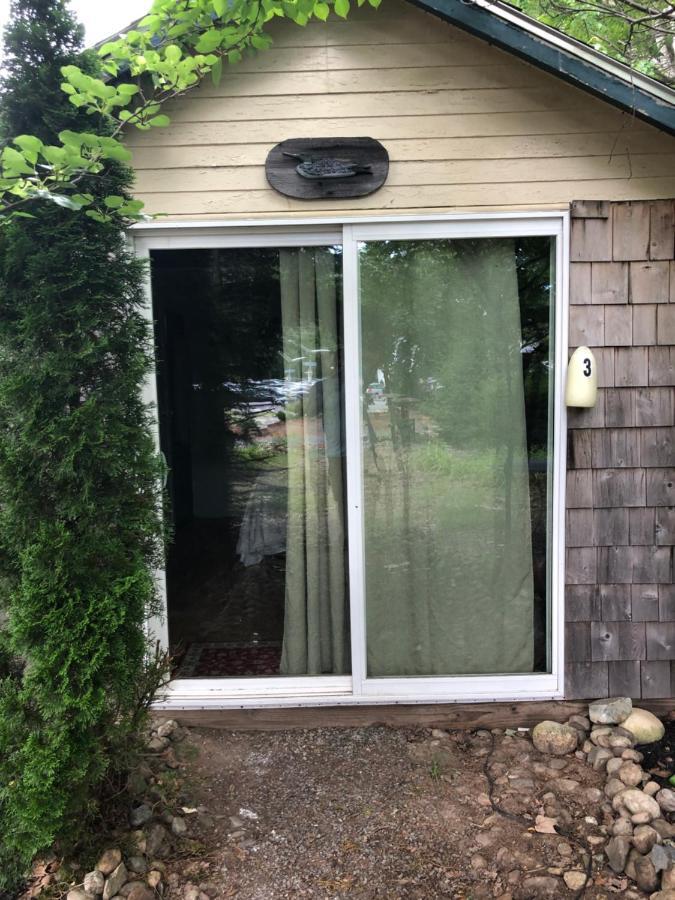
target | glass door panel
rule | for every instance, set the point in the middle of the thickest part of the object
(251, 422)
(456, 361)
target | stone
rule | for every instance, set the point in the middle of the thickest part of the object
(538, 886)
(614, 787)
(137, 864)
(662, 856)
(158, 843)
(179, 826)
(598, 758)
(191, 892)
(478, 862)
(114, 881)
(652, 788)
(575, 880)
(94, 883)
(666, 799)
(630, 774)
(593, 795)
(140, 815)
(154, 879)
(644, 726)
(620, 743)
(668, 879)
(166, 729)
(617, 852)
(663, 895)
(633, 755)
(645, 875)
(665, 829)
(109, 860)
(613, 765)
(641, 818)
(77, 894)
(140, 891)
(637, 802)
(629, 868)
(602, 732)
(554, 738)
(557, 764)
(644, 838)
(565, 785)
(612, 711)
(622, 827)
(158, 744)
(580, 721)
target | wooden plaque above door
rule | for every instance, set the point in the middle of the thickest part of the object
(316, 168)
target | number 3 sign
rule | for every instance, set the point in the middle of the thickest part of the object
(582, 379)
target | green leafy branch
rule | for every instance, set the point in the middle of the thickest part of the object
(169, 52)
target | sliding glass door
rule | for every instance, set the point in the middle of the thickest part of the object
(364, 475)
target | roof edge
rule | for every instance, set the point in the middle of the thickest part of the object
(569, 59)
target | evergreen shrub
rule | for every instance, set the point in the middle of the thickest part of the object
(80, 530)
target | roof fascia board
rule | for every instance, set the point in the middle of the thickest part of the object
(568, 59)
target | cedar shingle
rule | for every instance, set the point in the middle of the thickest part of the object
(661, 229)
(586, 680)
(655, 678)
(579, 528)
(615, 602)
(664, 526)
(591, 239)
(660, 640)
(580, 450)
(661, 487)
(609, 282)
(630, 368)
(618, 327)
(580, 283)
(579, 489)
(642, 524)
(615, 448)
(620, 407)
(618, 487)
(666, 593)
(617, 640)
(657, 446)
(580, 565)
(587, 326)
(610, 527)
(631, 231)
(654, 406)
(578, 641)
(662, 366)
(665, 325)
(583, 603)
(624, 678)
(644, 325)
(649, 282)
(645, 602)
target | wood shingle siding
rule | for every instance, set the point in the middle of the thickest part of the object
(620, 597)
(466, 126)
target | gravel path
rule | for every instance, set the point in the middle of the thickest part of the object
(390, 813)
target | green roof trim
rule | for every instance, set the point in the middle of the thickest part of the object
(551, 50)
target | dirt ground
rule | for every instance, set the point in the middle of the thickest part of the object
(389, 813)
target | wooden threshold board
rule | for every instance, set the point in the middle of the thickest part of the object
(448, 715)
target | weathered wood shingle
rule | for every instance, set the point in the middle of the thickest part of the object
(620, 597)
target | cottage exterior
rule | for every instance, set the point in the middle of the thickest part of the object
(489, 150)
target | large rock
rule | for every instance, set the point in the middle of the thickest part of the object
(539, 886)
(613, 711)
(645, 726)
(94, 883)
(645, 875)
(115, 881)
(666, 800)
(109, 860)
(617, 852)
(637, 802)
(554, 738)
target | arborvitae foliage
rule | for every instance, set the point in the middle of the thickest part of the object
(79, 525)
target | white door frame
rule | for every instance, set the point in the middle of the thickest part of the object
(195, 693)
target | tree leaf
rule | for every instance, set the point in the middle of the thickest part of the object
(220, 6)
(217, 71)
(341, 8)
(28, 142)
(321, 10)
(159, 121)
(15, 162)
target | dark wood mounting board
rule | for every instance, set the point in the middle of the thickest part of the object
(358, 153)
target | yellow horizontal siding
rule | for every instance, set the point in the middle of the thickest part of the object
(466, 126)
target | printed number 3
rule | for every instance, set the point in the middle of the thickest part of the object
(587, 367)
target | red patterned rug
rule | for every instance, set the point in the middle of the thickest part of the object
(230, 660)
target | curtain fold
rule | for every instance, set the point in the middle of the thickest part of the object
(448, 555)
(315, 621)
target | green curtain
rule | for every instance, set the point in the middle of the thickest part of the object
(448, 555)
(315, 621)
